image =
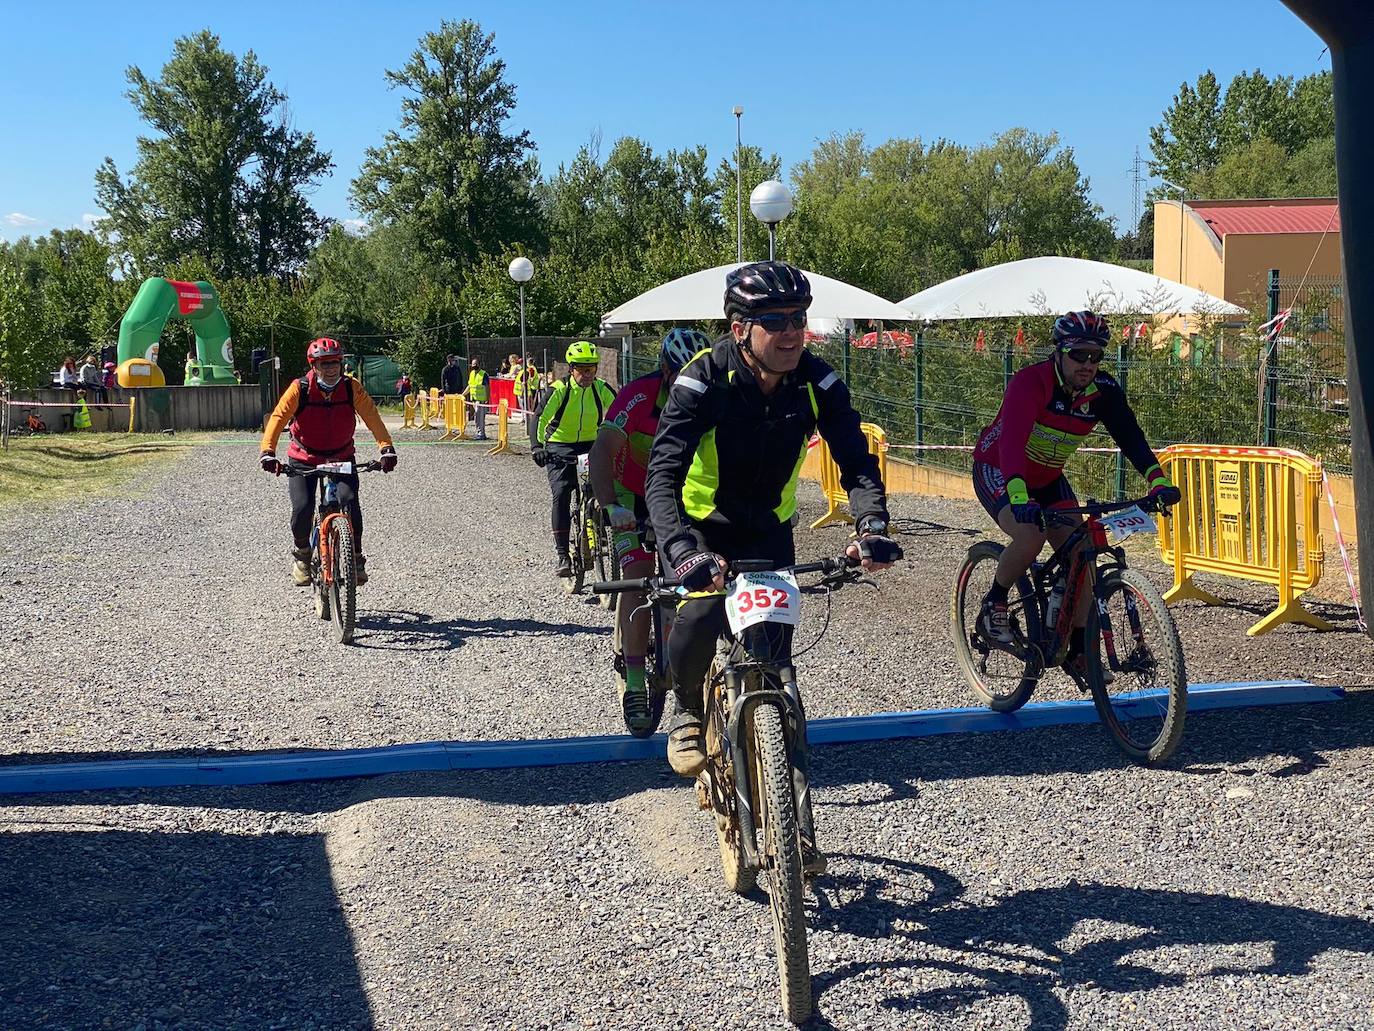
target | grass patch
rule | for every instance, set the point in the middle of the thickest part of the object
(54, 469)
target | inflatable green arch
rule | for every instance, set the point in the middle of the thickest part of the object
(157, 301)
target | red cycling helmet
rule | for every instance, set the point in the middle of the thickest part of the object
(324, 349)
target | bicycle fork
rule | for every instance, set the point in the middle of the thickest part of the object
(788, 702)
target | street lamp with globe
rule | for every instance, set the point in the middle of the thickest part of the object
(522, 271)
(771, 202)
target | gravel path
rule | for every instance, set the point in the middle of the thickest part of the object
(1027, 880)
(167, 623)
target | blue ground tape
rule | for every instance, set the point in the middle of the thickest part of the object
(438, 756)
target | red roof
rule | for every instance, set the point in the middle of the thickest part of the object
(1316, 215)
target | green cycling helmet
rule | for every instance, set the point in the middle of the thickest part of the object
(582, 352)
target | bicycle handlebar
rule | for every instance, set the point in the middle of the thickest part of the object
(1101, 508)
(319, 474)
(663, 584)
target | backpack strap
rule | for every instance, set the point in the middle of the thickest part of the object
(304, 384)
(562, 407)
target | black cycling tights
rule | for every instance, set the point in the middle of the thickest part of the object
(303, 491)
(562, 470)
(699, 622)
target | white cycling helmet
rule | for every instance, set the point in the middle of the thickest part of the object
(680, 346)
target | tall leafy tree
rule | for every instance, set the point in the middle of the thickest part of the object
(224, 175)
(454, 175)
(1260, 137)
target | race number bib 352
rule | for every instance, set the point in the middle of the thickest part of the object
(762, 598)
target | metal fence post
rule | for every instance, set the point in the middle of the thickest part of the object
(1271, 364)
(1006, 367)
(918, 360)
(1120, 458)
(844, 357)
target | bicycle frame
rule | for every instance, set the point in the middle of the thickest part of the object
(1080, 567)
(785, 696)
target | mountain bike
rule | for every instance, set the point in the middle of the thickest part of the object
(1134, 665)
(333, 561)
(755, 782)
(593, 547)
(657, 676)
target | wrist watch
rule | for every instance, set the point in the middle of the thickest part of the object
(873, 525)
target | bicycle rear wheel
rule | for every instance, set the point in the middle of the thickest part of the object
(1134, 640)
(343, 586)
(1003, 680)
(656, 672)
(781, 843)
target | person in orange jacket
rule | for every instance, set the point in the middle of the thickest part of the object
(321, 409)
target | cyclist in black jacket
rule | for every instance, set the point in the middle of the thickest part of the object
(722, 478)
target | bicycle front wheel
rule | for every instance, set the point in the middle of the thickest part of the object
(777, 814)
(343, 585)
(1003, 680)
(577, 547)
(1135, 667)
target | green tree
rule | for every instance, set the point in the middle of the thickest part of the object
(1262, 137)
(223, 177)
(1186, 141)
(453, 176)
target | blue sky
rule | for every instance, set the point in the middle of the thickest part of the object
(1098, 73)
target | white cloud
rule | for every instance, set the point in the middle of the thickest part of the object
(18, 218)
(89, 220)
(356, 226)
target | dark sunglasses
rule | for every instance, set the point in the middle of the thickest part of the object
(777, 322)
(1087, 355)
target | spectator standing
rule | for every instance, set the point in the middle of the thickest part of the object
(479, 394)
(109, 381)
(89, 376)
(451, 379)
(403, 384)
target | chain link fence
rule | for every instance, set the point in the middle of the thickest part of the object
(937, 390)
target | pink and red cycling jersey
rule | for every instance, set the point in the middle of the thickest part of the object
(1042, 422)
(635, 413)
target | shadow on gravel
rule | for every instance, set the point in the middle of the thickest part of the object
(1035, 944)
(402, 630)
(173, 930)
(910, 526)
(1341, 615)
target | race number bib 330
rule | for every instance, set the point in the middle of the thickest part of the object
(763, 598)
(1128, 521)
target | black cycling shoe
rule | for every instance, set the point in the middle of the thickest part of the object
(360, 574)
(562, 566)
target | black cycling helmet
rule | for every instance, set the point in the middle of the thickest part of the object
(1081, 327)
(765, 284)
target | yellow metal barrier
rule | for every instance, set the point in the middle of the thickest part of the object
(455, 418)
(1247, 512)
(409, 402)
(502, 428)
(432, 409)
(835, 494)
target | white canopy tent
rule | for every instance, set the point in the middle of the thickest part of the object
(701, 295)
(1040, 286)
